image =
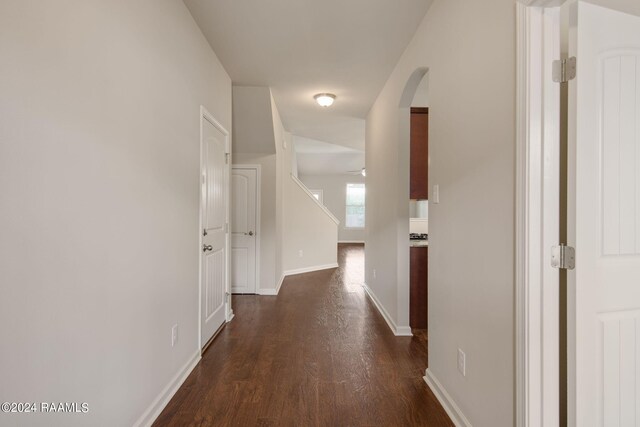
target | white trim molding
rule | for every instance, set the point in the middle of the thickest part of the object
(358, 242)
(161, 401)
(310, 269)
(399, 331)
(537, 214)
(320, 194)
(272, 291)
(316, 201)
(449, 405)
(280, 282)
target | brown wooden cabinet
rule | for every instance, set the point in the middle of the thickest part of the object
(419, 165)
(418, 295)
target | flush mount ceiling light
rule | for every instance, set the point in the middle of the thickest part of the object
(325, 99)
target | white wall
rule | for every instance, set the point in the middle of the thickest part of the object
(305, 226)
(421, 96)
(469, 49)
(294, 160)
(627, 6)
(267, 274)
(334, 196)
(252, 121)
(310, 235)
(99, 176)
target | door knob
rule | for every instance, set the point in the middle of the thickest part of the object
(206, 248)
(250, 233)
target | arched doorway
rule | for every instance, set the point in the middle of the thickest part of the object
(413, 160)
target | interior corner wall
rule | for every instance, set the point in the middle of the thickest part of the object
(268, 278)
(283, 141)
(334, 189)
(100, 184)
(469, 49)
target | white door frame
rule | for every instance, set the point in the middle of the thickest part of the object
(205, 115)
(537, 214)
(258, 169)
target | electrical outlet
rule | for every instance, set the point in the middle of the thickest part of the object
(300, 253)
(462, 363)
(174, 335)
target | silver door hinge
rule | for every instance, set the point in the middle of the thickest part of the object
(227, 295)
(564, 70)
(227, 157)
(563, 257)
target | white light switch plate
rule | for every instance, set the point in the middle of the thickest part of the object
(436, 194)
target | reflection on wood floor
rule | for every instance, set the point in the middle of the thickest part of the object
(318, 354)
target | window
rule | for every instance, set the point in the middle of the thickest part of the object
(318, 195)
(355, 206)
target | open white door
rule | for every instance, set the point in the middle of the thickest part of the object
(604, 218)
(215, 196)
(244, 184)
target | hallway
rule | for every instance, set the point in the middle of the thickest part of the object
(318, 354)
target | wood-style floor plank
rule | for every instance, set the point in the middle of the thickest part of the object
(318, 354)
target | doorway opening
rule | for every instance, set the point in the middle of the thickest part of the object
(414, 119)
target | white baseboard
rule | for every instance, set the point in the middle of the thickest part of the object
(280, 284)
(351, 241)
(402, 331)
(275, 291)
(156, 407)
(272, 291)
(310, 269)
(446, 401)
(291, 273)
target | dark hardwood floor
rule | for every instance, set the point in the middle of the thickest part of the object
(318, 354)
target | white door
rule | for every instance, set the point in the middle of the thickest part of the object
(214, 235)
(604, 218)
(244, 182)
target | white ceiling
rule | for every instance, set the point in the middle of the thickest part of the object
(303, 47)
